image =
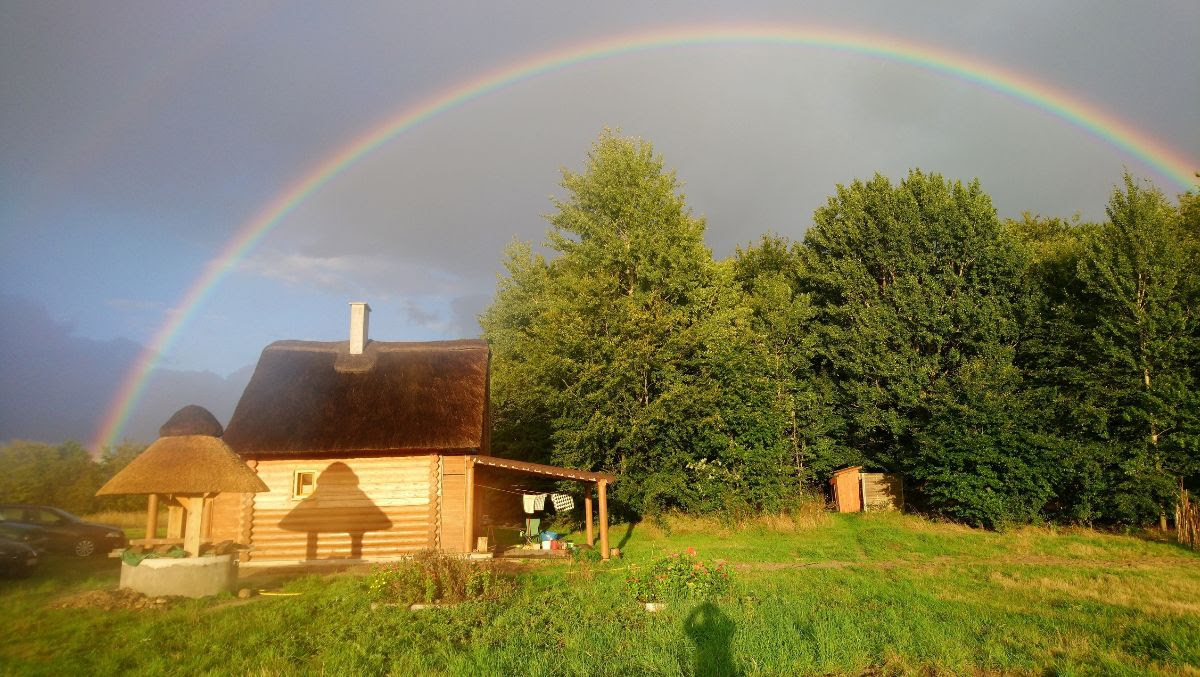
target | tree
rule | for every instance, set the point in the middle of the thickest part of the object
(633, 347)
(1141, 297)
(770, 274)
(982, 458)
(910, 282)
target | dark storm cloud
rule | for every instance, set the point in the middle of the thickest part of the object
(55, 385)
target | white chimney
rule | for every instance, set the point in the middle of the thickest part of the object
(359, 313)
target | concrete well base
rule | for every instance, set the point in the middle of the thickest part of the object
(184, 577)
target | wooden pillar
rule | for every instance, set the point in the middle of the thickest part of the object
(602, 486)
(469, 529)
(206, 524)
(152, 516)
(191, 533)
(587, 511)
(174, 519)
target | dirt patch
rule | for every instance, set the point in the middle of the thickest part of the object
(113, 600)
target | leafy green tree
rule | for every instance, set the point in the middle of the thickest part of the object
(911, 282)
(633, 346)
(982, 458)
(64, 476)
(1053, 358)
(770, 273)
(1141, 298)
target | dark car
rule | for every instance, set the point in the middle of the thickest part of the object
(65, 532)
(16, 558)
(33, 536)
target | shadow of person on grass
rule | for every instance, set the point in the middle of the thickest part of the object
(712, 633)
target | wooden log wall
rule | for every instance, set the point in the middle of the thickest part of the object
(361, 508)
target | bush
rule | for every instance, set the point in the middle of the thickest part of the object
(430, 576)
(678, 576)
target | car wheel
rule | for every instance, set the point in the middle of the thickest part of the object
(85, 547)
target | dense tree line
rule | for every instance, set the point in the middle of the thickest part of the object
(1020, 371)
(65, 476)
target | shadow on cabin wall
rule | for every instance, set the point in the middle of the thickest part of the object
(337, 506)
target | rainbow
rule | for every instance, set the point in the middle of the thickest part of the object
(1017, 86)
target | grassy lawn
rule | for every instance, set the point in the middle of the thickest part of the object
(843, 594)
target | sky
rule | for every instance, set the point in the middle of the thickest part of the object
(138, 139)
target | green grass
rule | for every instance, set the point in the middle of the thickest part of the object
(846, 594)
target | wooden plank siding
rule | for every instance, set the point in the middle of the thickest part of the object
(452, 527)
(361, 508)
(228, 513)
(882, 491)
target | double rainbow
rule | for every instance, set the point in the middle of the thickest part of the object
(1017, 86)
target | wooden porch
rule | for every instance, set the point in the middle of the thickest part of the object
(508, 471)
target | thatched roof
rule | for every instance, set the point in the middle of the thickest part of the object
(191, 420)
(309, 397)
(184, 464)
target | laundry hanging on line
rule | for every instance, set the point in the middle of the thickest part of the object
(534, 502)
(562, 502)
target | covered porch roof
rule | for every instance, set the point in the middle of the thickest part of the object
(506, 465)
(544, 470)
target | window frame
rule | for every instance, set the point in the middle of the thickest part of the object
(296, 475)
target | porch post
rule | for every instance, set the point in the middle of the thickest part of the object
(587, 511)
(191, 533)
(602, 486)
(470, 526)
(152, 516)
(175, 517)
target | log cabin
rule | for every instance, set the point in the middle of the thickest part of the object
(371, 450)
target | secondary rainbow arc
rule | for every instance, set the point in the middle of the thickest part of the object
(1025, 89)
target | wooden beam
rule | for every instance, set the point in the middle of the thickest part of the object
(152, 516)
(602, 486)
(191, 533)
(156, 541)
(470, 516)
(174, 520)
(587, 511)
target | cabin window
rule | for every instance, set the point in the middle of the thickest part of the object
(304, 483)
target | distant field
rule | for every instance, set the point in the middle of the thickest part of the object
(843, 594)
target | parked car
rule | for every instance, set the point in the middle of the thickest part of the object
(16, 558)
(33, 536)
(65, 532)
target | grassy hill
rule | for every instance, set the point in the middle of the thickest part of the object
(813, 594)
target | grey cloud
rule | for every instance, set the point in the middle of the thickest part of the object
(56, 386)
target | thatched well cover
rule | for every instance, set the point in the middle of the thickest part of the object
(185, 464)
(191, 420)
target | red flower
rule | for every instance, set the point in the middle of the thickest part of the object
(691, 551)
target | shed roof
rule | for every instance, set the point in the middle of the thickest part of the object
(312, 397)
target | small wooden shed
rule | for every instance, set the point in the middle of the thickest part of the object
(856, 491)
(846, 489)
(369, 449)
